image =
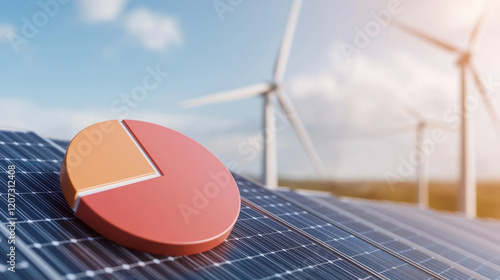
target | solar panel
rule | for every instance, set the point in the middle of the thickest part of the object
(452, 223)
(258, 247)
(420, 238)
(486, 251)
(277, 235)
(379, 235)
(360, 250)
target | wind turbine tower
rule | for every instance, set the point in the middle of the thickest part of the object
(467, 181)
(269, 91)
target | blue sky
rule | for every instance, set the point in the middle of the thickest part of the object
(85, 63)
(90, 53)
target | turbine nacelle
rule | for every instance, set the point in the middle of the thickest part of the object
(267, 90)
(273, 87)
(464, 58)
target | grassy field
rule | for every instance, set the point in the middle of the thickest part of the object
(443, 195)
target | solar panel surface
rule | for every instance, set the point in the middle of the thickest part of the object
(381, 236)
(421, 238)
(278, 235)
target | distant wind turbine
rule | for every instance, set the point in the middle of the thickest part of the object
(422, 172)
(268, 90)
(467, 181)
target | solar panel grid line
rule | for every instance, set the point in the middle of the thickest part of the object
(312, 238)
(493, 227)
(488, 228)
(45, 204)
(97, 260)
(62, 144)
(26, 200)
(266, 254)
(137, 262)
(471, 227)
(439, 241)
(43, 181)
(296, 270)
(110, 270)
(489, 225)
(115, 269)
(367, 253)
(49, 236)
(39, 262)
(472, 246)
(273, 252)
(24, 269)
(454, 230)
(55, 144)
(356, 208)
(61, 242)
(43, 220)
(29, 149)
(301, 256)
(402, 240)
(362, 237)
(21, 267)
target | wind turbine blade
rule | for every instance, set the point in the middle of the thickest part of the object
(231, 95)
(286, 44)
(301, 132)
(487, 101)
(425, 37)
(411, 111)
(439, 124)
(479, 24)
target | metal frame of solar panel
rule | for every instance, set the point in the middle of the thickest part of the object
(487, 231)
(278, 235)
(417, 237)
(378, 234)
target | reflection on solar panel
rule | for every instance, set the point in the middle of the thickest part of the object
(280, 234)
(61, 143)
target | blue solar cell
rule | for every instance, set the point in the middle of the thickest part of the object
(474, 245)
(24, 268)
(488, 250)
(357, 225)
(359, 250)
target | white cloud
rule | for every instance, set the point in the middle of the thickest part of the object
(448, 14)
(100, 10)
(347, 104)
(6, 30)
(153, 30)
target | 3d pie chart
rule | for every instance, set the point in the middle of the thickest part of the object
(149, 188)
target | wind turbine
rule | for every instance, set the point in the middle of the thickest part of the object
(467, 182)
(422, 178)
(268, 91)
